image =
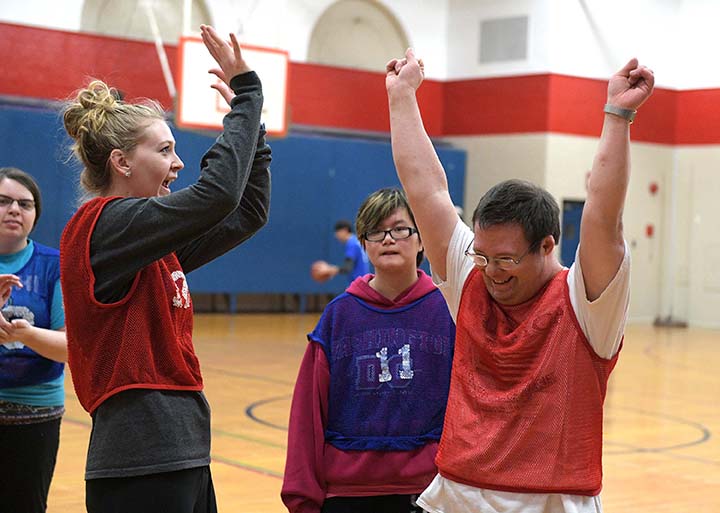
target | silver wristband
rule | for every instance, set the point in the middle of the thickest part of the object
(626, 114)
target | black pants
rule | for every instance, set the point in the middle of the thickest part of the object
(183, 491)
(28, 453)
(374, 504)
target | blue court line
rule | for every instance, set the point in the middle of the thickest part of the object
(250, 411)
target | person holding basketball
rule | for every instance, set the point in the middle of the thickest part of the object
(124, 256)
(355, 263)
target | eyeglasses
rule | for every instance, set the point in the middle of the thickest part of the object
(25, 204)
(397, 233)
(504, 263)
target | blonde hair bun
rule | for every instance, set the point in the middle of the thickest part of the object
(99, 122)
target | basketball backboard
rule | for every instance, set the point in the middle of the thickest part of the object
(200, 106)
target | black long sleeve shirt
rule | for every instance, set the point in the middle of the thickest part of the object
(140, 432)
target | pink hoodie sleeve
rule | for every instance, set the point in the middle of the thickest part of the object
(303, 489)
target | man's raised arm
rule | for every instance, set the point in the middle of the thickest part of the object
(601, 237)
(418, 167)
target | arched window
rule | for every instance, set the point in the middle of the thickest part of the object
(129, 18)
(357, 33)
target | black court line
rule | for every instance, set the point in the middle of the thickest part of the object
(250, 411)
(213, 457)
(704, 435)
(640, 450)
(230, 434)
(246, 466)
(213, 431)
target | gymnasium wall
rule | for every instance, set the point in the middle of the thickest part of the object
(695, 251)
(536, 117)
(675, 137)
(317, 179)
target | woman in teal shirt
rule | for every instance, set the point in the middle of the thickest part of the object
(33, 349)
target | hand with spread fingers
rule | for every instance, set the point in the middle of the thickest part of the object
(222, 86)
(228, 56)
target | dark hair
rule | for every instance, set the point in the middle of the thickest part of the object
(343, 224)
(378, 206)
(27, 181)
(523, 203)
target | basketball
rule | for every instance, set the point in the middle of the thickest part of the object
(320, 271)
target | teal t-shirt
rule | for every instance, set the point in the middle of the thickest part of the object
(51, 393)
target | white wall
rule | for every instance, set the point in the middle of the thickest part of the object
(491, 159)
(696, 44)
(593, 38)
(588, 38)
(284, 24)
(465, 18)
(698, 222)
(43, 13)
(288, 24)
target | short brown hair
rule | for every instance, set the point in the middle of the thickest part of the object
(377, 207)
(523, 203)
(27, 181)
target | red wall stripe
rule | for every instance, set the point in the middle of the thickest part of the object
(51, 64)
(575, 107)
(326, 96)
(657, 119)
(496, 106)
(700, 119)
(42, 63)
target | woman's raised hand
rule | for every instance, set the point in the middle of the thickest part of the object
(227, 55)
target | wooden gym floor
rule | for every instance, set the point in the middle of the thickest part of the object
(661, 449)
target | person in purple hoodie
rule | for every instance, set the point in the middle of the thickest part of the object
(369, 401)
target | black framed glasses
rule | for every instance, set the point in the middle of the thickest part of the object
(25, 204)
(397, 233)
(506, 263)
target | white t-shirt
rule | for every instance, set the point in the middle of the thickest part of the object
(602, 322)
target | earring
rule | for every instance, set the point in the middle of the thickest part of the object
(128, 173)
